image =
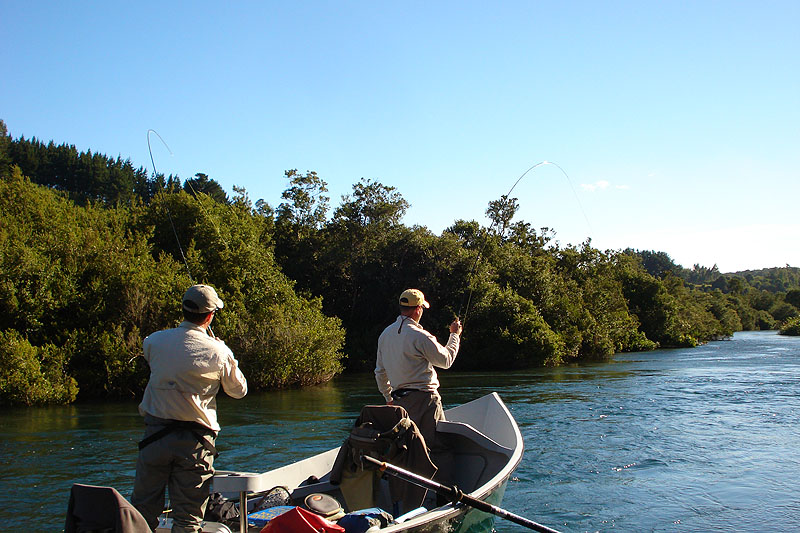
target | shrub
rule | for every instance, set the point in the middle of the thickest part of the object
(31, 375)
(791, 327)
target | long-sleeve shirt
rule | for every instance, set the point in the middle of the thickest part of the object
(407, 355)
(187, 368)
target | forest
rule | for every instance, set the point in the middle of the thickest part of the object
(96, 254)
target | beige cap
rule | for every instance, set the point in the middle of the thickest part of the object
(201, 299)
(413, 298)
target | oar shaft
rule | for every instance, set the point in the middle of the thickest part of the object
(455, 495)
(502, 513)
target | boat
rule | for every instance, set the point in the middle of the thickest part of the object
(484, 447)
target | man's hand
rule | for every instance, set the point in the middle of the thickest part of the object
(455, 327)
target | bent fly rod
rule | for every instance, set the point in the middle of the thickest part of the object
(505, 200)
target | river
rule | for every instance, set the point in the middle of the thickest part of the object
(703, 439)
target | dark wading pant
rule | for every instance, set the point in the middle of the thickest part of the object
(424, 408)
(179, 463)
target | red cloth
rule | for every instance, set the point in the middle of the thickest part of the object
(298, 520)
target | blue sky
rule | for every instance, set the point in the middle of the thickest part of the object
(677, 124)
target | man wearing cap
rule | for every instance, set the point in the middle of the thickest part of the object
(407, 355)
(187, 367)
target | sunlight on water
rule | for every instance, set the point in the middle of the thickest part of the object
(672, 440)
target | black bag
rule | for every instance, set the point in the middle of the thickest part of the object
(220, 509)
(274, 497)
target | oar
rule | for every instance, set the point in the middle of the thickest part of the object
(454, 494)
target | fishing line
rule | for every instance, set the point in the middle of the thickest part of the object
(505, 198)
(171, 222)
(569, 181)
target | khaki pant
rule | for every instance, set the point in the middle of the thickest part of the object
(179, 463)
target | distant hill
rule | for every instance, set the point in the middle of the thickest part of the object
(775, 280)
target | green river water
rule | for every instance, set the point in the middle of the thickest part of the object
(705, 439)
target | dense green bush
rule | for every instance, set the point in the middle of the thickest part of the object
(791, 327)
(507, 331)
(88, 283)
(32, 375)
(765, 321)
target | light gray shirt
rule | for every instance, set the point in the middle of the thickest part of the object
(187, 368)
(407, 355)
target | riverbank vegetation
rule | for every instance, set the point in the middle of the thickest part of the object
(91, 263)
(791, 327)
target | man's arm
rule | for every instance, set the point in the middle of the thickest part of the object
(233, 381)
(382, 379)
(438, 355)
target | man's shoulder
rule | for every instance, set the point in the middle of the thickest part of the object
(165, 333)
(385, 332)
(156, 335)
(389, 327)
(416, 327)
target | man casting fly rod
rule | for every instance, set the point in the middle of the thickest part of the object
(187, 368)
(407, 355)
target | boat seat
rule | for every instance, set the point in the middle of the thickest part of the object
(466, 430)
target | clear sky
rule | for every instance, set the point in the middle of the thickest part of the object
(677, 124)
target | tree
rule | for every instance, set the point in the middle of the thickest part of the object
(791, 327)
(793, 297)
(654, 307)
(720, 283)
(783, 311)
(82, 285)
(736, 285)
(5, 159)
(357, 235)
(306, 205)
(371, 205)
(299, 221)
(31, 375)
(201, 183)
(657, 264)
(700, 274)
(501, 212)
